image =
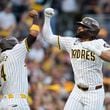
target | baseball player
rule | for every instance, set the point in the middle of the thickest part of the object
(86, 54)
(13, 74)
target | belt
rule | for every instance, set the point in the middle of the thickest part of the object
(87, 88)
(11, 96)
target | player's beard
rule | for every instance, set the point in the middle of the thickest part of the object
(83, 35)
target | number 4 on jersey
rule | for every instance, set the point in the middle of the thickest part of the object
(3, 75)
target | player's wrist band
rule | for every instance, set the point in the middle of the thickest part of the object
(35, 28)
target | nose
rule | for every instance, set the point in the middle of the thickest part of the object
(80, 29)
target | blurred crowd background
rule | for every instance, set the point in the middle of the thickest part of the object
(51, 78)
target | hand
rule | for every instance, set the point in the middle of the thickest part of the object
(49, 12)
(33, 13)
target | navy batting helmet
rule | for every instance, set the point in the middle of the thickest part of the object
(91, 25)
(6, 44)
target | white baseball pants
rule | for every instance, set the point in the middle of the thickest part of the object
(85, 100)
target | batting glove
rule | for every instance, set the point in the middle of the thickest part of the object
(49, 12)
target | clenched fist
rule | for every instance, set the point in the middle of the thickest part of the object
(33, 13)
(49, 12)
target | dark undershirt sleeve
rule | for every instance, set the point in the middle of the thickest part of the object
(30, 40)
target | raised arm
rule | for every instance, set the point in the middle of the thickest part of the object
(20, 50)
(64, 43)
(34, 29)
(47, 31)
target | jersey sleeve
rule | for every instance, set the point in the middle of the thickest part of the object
(102, 45)
(65, 43)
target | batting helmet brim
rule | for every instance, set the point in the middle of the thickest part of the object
(82, 24)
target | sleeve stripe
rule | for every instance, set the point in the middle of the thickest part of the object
(27, 47)
(59, 42)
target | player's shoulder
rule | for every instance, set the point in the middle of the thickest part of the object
(101, 42)
(3, 57)
(98, 41)
(75, 39)
(19, 45)
(68, 39)
(71, 38)
(5, 53)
